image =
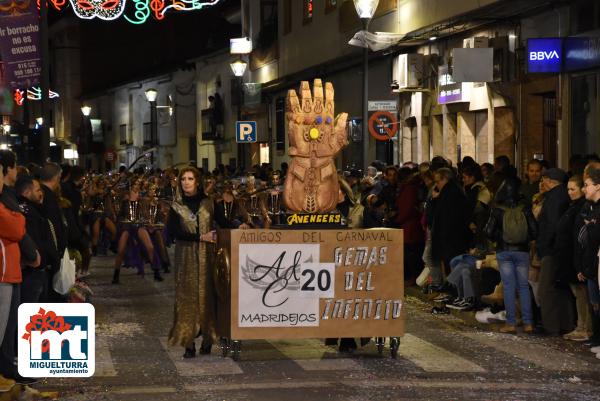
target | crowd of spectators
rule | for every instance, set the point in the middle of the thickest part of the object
(477, 237)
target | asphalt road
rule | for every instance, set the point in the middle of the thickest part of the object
(440, 358)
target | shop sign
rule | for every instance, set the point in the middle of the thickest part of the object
(582, 53)
(544, 55)
(316, 283)
(451, 91)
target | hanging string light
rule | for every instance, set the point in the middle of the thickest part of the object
(34, 93)
(134, 11)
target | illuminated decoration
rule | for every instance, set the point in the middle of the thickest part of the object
(142, 12)
(158, 8)
(106, 10)
(34, 93)
(308, 10)
(110, 10)
(14, 7)
(189, 5)
(57, 4)
(19, 98)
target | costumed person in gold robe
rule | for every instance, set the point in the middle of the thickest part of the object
(191, 224)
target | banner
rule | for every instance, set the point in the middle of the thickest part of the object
(315, 283)
(19, 42)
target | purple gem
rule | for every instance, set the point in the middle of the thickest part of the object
(329, 120)
(319, 120)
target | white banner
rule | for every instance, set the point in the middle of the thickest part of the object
(280, 285)
(376, 41)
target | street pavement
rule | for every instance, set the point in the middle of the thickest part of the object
(440, 358)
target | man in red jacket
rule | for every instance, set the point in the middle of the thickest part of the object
(13, 230)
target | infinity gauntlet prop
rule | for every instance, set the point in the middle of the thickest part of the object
(315, 138)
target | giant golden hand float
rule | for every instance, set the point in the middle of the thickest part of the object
(315, 138)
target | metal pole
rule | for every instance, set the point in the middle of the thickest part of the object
(44, 83)
(153, 124)
(365, 101)
(241, 155)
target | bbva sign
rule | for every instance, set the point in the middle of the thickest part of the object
(543, 55)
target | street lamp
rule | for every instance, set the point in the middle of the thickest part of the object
(239, 68)
(365, 10)
(86, 110)
(151, 95)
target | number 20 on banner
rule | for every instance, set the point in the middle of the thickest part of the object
(317, 280)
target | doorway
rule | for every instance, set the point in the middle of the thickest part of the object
(550, 134)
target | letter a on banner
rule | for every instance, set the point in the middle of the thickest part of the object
(19, 43)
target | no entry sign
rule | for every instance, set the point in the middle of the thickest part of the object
(383, 125)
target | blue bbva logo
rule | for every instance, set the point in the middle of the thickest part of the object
(56, 340)
(544, 55)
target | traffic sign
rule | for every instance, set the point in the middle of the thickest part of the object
(245, 131)
(382, 105)
(383, 125)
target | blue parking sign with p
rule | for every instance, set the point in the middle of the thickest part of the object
(245, 131)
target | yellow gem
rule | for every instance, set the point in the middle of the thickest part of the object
(314, 133)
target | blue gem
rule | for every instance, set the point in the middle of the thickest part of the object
(329, 120)
(319, 120)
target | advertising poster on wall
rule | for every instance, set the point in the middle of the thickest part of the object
(19, 43)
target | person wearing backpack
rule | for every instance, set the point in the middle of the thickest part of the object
(512, 226)
(556, 300)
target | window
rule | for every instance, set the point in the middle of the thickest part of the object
(268, 24)
(287, 17)
(330, 5)
(123, 134)
(308, 11)
(585, 124)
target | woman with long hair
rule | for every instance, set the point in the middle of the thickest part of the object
(191, 224)
(132, 236)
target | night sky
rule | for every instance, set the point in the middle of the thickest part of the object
(115, 52)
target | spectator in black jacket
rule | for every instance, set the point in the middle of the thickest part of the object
(555, 300)
(589, 239)
(30, 196)
(450, 234)
(567, 248)
(50, 179)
